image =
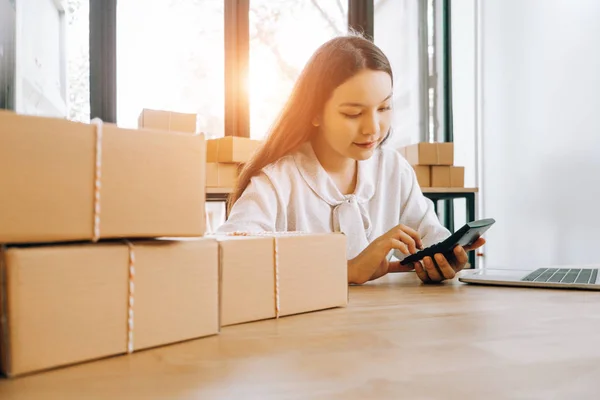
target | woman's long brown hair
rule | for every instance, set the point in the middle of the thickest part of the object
(331, 65)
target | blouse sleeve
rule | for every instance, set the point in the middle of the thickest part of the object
(417, 212)
(255, 210)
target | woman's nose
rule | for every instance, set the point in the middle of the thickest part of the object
(370, 125)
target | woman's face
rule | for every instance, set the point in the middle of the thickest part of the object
(358, 115)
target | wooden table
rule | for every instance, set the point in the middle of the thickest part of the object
(396, 339)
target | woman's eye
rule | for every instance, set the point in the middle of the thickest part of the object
(351, 115)
(385, 108)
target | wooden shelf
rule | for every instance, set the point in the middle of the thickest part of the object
(224, 190)
(449, 190)
(219, 190)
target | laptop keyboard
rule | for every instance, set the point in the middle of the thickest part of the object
(563, 275)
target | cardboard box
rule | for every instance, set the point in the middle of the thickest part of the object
(65, 304)
(247, 279)
(447, 176)
(430, 153)
(222, 175)
(169, 121)
(231, 149)
(312, 273)
(457, 176)
(152, 183)
(423, 173)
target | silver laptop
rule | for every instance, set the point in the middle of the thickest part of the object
(556, 277)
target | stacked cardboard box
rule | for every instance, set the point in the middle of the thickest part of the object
(53, 172)
(68, 303)
(83, 275)
(225, 158)
(273, 275)
(434, 164)
(169, 121)
(85, 269)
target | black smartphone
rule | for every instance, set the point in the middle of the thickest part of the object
(465, 236)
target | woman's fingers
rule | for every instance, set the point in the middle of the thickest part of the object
(478, 243)
(444, 266)
(402, 231)
(409, 241)
(431, 270)
(397, 244)
(461, 258)
(421, 273)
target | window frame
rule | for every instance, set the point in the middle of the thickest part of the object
(103, 58)
(8, 29)
(103, 61)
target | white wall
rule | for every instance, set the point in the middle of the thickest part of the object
(541, 131)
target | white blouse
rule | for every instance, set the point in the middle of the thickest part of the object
(296, 194)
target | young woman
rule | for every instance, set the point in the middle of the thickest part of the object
(322, 168)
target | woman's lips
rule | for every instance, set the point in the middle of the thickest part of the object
(366, 145)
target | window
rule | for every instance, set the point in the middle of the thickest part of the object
(78, 60)
(170, 56)
(40, 87)
(397, 34)
(52, 69)
(283, 35)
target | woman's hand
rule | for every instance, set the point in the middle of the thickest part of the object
(441, 268)
(372, 262)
